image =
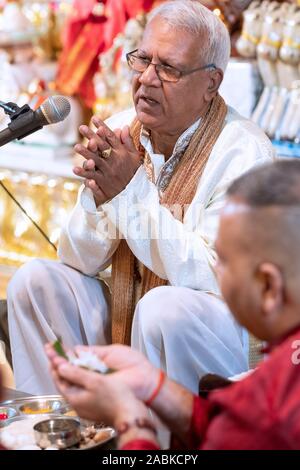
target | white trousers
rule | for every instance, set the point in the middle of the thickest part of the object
(46, 299)
(187, 333)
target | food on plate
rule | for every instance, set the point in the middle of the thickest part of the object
(19, 435)
(42, 406)
(32, 411)
(93, 435)
(6, 413)
(71, 413)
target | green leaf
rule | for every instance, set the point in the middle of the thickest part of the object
(59, 349)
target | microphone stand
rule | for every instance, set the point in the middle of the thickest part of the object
(23, 122)
(14, 111)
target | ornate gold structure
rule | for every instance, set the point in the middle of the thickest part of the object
(47, 200)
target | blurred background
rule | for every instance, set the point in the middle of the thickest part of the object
(77, 48)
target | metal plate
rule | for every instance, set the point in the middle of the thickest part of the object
(25, 400)
(56, 400)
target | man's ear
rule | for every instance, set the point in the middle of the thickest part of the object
(215, 80)
(272, 289)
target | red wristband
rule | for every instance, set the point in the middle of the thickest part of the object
(157, 389)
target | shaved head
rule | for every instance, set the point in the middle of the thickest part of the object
(258, 247)
(268, 199)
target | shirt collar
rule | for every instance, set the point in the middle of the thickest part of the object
(180, 146)
(276, 342)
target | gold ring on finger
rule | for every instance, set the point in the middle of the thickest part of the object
(106, 153)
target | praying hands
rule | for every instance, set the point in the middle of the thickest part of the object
(111, 160)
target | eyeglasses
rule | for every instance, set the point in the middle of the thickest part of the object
(166, 73)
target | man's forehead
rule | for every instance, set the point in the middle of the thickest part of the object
(173, 37)
(233, 233)
(235, 207)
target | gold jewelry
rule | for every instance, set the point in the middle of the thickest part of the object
(106, 153)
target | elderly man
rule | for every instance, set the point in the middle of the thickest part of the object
(259, 273)
(155, 178)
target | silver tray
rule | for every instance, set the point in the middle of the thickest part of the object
(59, 408)
(17, 402)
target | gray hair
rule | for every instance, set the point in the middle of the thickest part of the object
(195, 18)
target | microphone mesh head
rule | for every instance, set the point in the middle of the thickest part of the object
(55, 109)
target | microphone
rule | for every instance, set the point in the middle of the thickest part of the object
(27, 121)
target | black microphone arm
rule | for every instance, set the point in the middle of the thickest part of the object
(9, 108)
(19, 128)
(25, 121)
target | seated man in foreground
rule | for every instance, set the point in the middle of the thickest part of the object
(259, 272)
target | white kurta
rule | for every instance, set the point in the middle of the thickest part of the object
(187, 331)
(186, 257)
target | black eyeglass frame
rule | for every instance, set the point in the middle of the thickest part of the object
(159, 67)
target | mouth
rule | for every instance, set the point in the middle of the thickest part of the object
(148, 100)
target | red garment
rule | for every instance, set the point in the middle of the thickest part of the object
(86, 36)
(119, 12)
(259, 412)
(140, 444)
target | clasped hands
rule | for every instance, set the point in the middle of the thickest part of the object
(111, 160)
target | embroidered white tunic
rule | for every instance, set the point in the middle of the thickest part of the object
(180, 327)
(185, 257)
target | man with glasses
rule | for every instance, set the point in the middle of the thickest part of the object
(154, 182)
(166, 73)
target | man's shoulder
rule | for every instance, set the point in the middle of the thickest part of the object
(121, 119)
(245, 126)
(264, 381)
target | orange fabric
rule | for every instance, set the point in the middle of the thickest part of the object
(79, 62)
(86, 36)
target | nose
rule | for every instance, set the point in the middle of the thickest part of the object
(150, 77)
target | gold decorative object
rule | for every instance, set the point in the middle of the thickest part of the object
(47, 200)
(113, 82)
(252, 29)
(270, 33)
(48, 19)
